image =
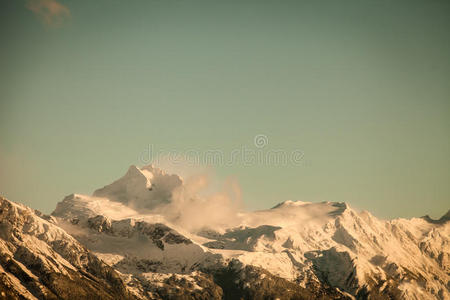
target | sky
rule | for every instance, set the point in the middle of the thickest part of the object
(361, 88)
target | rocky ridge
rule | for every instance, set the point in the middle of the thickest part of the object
(121, 243)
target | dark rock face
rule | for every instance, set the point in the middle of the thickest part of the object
(342, 263)
(158, 233)
(174, 238)
(253, 283)
(239, 238)
(198, 286)
(38, 259)
(142, 265)
(100, 223)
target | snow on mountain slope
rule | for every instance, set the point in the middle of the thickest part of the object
(145, 187)
(39, 260)
(353, 251)
(162, 239)
(146, 253)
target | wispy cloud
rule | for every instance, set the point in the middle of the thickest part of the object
(51, 12)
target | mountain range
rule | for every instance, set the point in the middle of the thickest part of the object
(153, 235)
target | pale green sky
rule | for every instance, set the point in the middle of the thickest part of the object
(361, 87)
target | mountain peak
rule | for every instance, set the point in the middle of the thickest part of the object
(303, 244)
(39, 260)
(145, 187)
(290, 203)
(326, 208)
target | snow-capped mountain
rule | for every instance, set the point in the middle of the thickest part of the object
(156, 238)
(39, 260)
